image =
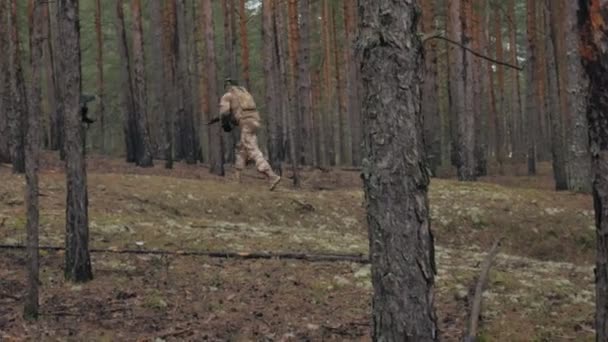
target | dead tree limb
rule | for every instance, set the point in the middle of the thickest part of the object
(356, 258)
(479, 288)
(475, 53)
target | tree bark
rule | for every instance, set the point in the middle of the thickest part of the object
(395, 176)
(304, 84)
(531, 89)
(243, 18)
(157, 130)
(144, 150)
(430, 105)
(100, 77)
(216, 145)
(169, 88)
(77, 257)
(501, 112)
(294, 124)
(579, 167)
(544, 146)
(18, 112)
(483, 89)
(128, 92)
(557, 131)
(5, 90)
(55, 115)
(32, 156)
(353, 103)
(271, 64)
(339, 119)
(592, 19)
(516, 106)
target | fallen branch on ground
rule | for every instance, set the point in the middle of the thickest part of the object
(357, 258)
(483, 276)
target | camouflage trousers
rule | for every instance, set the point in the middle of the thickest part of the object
(248, 149)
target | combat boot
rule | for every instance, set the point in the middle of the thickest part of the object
(274, 181)
(237, 176)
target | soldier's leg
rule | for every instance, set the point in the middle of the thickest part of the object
(240, 160)
(250, 141)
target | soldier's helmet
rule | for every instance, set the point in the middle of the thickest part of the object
(229, 82)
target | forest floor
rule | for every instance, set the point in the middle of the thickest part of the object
(540, 288)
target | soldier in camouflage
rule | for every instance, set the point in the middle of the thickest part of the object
(237, 101)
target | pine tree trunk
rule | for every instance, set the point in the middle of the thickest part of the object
(395, 177)
(353, 103)
(579, 167)
(430, 105)
(544, 147)
(155, 13)
(294, 124)
(557, 133)
(467, 120)
(592, 16)
(32, 156)
(324, 113)
(77, 257)
(244, 44)
(5, 90)
(100, 77)
(128, 93)
(18, 113)
(169, 88)
(304, 85)
(216, 145)
(516, 106)
(273, 102)
(144, 153)
(339, 119)
(531, 89)
(185, 127)
(501, 113)
(55, 137)
(484, 82)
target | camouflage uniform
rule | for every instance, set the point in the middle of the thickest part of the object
(240, 103)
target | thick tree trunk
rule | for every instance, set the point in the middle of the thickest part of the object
(186, 132)
(55, 115)
(128, 93)
(544, 146)
(144, 144)
(531, 89)
(325, 142)
(273, 102)
(579, 167)
(339, 118)
(77, 257)
(466, 126)
(557, 131)
(430, 92)
(294, 124)
(32, 156)
(5, 90)
(304, 84)
(484, 82)
(100, 77)
(18, 112)
(592, 15)
(216, 145)
(395, 176)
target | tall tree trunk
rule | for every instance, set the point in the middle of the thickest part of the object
(430, 105)
(144, 153)
(17, 118)
(484, 113)
(216, 145)
(592, 19)
(465, 122)
(244, 44)
(155, 13)
(502, 112)
(55, 122)
(128, 94)
(531, 89)
(32, 156)
(185, 128)
(100, 77)
(282, 79)
(557, 133)
(516, 106)
(77, 257)
(273, 102)
(544, 147)
(294, 124)
(230, 67)
(339, 119)
(353, 103)
(169, 88)
(579, 167)
(395, 176)
(324, 144)
(304, 84)
(5, 90)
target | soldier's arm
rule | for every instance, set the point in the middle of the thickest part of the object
(225, 102)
